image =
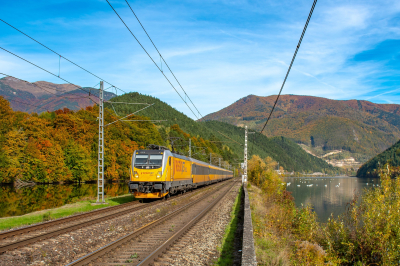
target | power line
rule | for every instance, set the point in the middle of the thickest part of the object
(26, 104)
(290, 67)
(162, 58)
(41, 106)
(45, 70)
(291, 63)
(229, 138)
(40, 87)
(60, 55)
(151, 59)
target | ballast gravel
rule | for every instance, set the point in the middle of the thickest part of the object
(200, 246)
(68, 247)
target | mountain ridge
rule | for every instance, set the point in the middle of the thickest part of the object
(289, 154)
(42, 96)
(361, 127)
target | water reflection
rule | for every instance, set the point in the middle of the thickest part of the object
(328, 195)
(15, 202)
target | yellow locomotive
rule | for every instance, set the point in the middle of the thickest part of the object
(160, 173)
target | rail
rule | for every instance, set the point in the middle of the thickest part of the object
(134, 206)
(160, 249)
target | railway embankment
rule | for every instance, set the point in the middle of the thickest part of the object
(69, 246)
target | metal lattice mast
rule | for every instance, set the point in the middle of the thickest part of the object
(100, 164)
(190, 147)
(244, 178)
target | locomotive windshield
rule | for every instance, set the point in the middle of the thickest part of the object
(141, 159)
(155, 159)
(148, 161)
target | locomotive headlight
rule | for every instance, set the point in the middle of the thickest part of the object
(159, 174)
(136, 174)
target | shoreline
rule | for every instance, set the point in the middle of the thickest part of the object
(13, 222)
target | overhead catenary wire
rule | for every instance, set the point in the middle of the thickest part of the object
(60, 56)
(152, 59)
(44, 70)
(291, 63)
(40, 106)
(229, 138)
(127, 116)
(26, 104)
(162, 57)
(41, 87)
(290, 67)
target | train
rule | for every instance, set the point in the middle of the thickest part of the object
(159, 173)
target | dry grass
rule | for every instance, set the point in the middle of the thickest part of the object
(271, 249)
(283, 235)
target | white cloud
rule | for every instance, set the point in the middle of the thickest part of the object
(218, 53)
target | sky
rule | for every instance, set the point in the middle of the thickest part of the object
(220, 51)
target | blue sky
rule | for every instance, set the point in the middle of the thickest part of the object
(220, 51)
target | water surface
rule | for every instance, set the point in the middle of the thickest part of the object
(328, 195)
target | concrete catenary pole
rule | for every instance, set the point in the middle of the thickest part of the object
(244, 176)
(219, 162)
(100, 163)
(190, 147)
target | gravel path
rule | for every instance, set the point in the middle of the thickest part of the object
(71, 246)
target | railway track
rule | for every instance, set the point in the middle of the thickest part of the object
(31, 234)
(146, 244)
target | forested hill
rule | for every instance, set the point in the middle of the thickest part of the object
(360, 127)
(390, 156)
(159, 111)
(281, 149)
(61, 146)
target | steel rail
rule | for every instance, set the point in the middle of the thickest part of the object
(63, 230)
(40, 226)
(113, 245)
(153, 257)
(27, 241)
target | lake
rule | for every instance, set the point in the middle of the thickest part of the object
(14, 202)
(328, 195)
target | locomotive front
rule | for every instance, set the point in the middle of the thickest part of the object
(147, 179)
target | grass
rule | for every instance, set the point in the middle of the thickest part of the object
(271, 248)
(227, 248)
(66, 210)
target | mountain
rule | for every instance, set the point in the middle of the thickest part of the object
(362, 128)
(44, 96)
(61, 146)
(285, 151)
(390, 156)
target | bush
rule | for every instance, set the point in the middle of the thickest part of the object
(369, 231)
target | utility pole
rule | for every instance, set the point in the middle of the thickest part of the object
(244, 176)
(219, 162)
(190, 147)
(210, 157)
(100, 163)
